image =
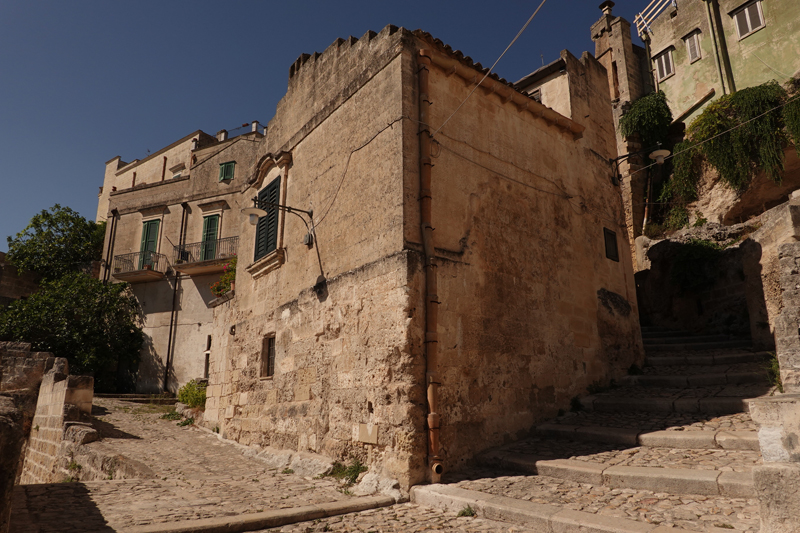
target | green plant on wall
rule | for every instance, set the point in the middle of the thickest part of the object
(226, 279)
(649, 117)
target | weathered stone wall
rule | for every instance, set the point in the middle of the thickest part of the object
(21, 368)
(532, 311)
(12, 438)
(15, 285)
(53, 418)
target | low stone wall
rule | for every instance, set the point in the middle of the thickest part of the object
(55, 420)
(22, 369)
(12, 438)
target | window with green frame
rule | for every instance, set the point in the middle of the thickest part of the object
(267, 228)
(226, 170)
(208, 249)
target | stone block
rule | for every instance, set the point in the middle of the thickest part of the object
(692, 440)
(673, 480)
(736, 484)
(777, 486)
(368, 433)
(738, 440)
(578, 471)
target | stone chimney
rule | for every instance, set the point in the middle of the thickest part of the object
(606, 7)
(222, 135)
(254, 126)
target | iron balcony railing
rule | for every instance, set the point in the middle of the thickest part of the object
(206, 250)
(140, 261)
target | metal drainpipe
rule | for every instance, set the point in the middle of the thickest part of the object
(185, 206)
(431, 299)
(110, 253)
(723, 48)
(713, 29)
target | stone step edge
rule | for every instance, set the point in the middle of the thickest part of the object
(709, 405)
(655, 479)
(266, 519)
(696, 346)
(538, 516)
(694, 380)
(706, 360)
(685, 440)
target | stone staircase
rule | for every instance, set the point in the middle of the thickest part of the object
(668, 449)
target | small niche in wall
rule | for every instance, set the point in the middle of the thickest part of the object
(610, 237)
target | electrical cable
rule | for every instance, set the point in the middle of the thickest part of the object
(490, 69)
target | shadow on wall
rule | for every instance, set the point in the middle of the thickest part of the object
(28, 501)
(150, 374)
(701, 287)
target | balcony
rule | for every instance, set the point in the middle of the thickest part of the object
(207, 257)
(139, 267)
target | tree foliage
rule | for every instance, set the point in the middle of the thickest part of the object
(55, 242)
(94, 326)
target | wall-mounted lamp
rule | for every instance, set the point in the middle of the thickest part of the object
(254, 212)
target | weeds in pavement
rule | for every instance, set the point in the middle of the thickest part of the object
(467, 511)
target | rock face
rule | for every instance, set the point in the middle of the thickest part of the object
(12, 438)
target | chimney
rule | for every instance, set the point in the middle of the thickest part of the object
(254, 126)
(222, 135)
(606, 7)
(194, 145)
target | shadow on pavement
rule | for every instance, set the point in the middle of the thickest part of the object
(55, 507)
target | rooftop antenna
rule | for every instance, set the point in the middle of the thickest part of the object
(542, 59)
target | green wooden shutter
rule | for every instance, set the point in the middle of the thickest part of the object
(210, 228)
(267, 229)
(149, 242)
(226, 170)
(222, 172)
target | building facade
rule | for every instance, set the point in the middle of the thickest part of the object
(451, 279)
(170, 231)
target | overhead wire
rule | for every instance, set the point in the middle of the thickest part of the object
(490, 69)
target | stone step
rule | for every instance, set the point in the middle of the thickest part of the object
(708, 359)
(537, 516)
(698, 440)
(683, 339)
(694, 380)
(722, 399)
(674, 481)
(697, 346)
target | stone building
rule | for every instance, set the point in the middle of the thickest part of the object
(451, 279)
(171, 229)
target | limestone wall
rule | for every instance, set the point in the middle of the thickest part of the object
(50, 421)
(21, 368)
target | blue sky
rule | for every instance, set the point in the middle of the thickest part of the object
(84, 81)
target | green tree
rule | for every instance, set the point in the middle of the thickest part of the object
(94, 326)
(57, 241)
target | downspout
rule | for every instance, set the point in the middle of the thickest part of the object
(431, 299)
(111, 240)
(185, 207)
(723, 48)
(713, 29)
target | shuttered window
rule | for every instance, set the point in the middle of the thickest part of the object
(208, 249)
(664, 67)
(693, 46)
(267, 357)
(267, 228)
(749, 19)
(149, 243)
(226, 170)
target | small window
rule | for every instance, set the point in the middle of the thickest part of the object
(268, 357)
(749, 19)
(226, 170)
(664, 67)
(207, 353)
(693, 46)
(612, 252)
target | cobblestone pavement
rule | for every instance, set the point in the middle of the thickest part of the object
(404, 517)
(694, 513)
(198, 476)
(660, 421)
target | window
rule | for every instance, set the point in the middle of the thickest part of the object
(267, 357)
(149, 244)
(611, 244)
(693, 46)
(664, 65)
(207, 353)
(226, 170)
(267, 228)
(208, 248)
(749, 19)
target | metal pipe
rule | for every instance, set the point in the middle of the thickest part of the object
(723, 48)
(110, 251)
(181, 242)
(712, 28)
(431, 300)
